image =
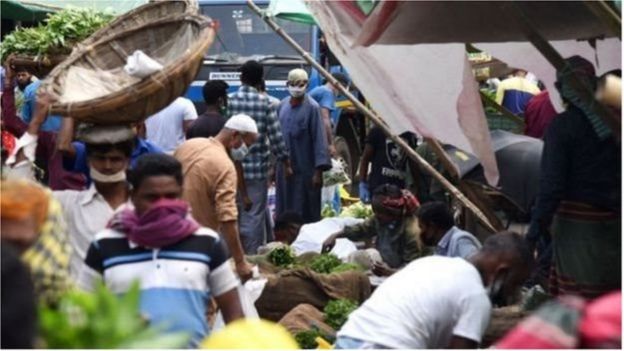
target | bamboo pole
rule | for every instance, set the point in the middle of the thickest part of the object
(602, 10)
(555, 59)
(377, 120)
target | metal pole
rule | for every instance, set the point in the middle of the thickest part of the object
(377, 120)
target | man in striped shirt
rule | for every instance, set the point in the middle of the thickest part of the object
(178, 264)
(253, 186)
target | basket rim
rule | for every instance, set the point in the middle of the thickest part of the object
(199, 47)
(99, 35)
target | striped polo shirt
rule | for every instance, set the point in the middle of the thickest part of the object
(176, 281)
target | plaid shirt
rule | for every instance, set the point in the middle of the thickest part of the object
(248, 101)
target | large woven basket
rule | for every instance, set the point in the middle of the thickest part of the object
(140, 100)
(142, 15)
(39, 67)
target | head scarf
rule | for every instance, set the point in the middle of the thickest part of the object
(584, 71)
(165, 223)
(406, 203)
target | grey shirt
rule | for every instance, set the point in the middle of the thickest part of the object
(457, 243)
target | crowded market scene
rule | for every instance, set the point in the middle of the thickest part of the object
(310, 174)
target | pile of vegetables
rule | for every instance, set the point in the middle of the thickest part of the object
(282, 257)
(307, 338)
(357, 210)
(61, 31)
(337, 174)
(102, 321)
(328, 211)
(337, 312)
(329, 263)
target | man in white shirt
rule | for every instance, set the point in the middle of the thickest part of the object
(439, 302)
(167, 128)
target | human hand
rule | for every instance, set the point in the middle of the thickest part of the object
(317, 179)
(332, 151)
(381, 269)
(244, 270)
(247, 202)
(288, 171)
(329, 244)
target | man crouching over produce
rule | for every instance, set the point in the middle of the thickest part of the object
(440, 302)
(394, 227)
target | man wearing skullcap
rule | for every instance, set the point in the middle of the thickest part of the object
(579, 202)
(303, 132)
(394, 227)
(210, 181)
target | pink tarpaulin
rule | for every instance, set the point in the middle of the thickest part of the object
(428, 88)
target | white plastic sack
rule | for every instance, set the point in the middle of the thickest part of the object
(22, 170)
(248, 294)
(336, 175)
(311, 237)
(140, 65)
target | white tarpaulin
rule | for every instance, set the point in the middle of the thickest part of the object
(428, 89)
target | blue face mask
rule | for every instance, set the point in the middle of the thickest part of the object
(240, 152)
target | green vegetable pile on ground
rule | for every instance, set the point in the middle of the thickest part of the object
(102, 321)
(325, 263)
(328, 211)
(282, 256)
(57, 36)
(337, 312)
(357, 210)
(307, 339)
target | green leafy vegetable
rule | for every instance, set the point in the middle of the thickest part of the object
(103, 321)
(337, 312)
(58, 36)
(344, 267)
(282, 256)
(357, 210)
(328, 211)
(325, 263)
(307, 339)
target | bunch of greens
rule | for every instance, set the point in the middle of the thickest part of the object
(325, 263)
(307, 338)
(104, 321)
(344, 267)
(328, 211)
(337, 312)
(60, 33)
(282, 256)
(357, 210)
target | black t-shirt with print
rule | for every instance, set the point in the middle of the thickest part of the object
(389, 161)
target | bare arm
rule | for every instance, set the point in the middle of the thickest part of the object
(230, 233)
(458, 342)
(242, 187)
(325, 114)
(187, 124)
(65, 138)
(367, 155)
(230, 306)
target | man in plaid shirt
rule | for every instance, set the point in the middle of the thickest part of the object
(253, 186)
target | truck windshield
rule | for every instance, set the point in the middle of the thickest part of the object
(243, 33)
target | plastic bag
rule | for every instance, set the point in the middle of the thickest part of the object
(248, 294)
(336, 175)
(140, 65)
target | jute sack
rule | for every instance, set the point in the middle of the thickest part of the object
(305, 317)
(503, 320)
(287, 289)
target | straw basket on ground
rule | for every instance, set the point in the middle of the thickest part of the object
(92, 86)
(141, 15)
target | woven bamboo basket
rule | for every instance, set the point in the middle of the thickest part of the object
(137, 101)
(38, 67)
(144, 14)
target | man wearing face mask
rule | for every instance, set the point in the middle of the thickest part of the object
(303, 132)
(209, 123)
(394, 227)
(210, 181)
(440, 302)
(179, 265)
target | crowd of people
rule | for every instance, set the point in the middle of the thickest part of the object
(170, 201)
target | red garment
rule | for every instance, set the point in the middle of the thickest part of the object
(538, 115)
(407, 202)
(8, 142)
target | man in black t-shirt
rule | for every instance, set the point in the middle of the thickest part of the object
(209, 123)
(389, 162)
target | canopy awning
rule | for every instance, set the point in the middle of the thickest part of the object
(23, 11)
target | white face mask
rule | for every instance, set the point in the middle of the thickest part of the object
(240, 152)
(296, 91)
(104, 178)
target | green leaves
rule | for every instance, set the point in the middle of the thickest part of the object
(61, 31)
(337, 312)
(282, 256)
(102, 320)
(325, 263)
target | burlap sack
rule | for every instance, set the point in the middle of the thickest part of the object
(287, 289)
(305, 317)
(503, 320)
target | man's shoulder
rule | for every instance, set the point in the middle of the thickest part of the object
(109, 233)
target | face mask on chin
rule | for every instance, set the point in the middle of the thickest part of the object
(105, 178)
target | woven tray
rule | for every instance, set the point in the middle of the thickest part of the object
(38, 67)
(140, 16)
(140, 100)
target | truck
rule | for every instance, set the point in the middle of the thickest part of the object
(243, 36)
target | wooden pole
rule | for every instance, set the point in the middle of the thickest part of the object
(377, 120)
(604, 12)
(555, 59)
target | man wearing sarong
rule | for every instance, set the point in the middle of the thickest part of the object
(302, 128)
(394, 227)
(579, 199)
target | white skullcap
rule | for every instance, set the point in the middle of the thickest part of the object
(242, 123)
(297, 74)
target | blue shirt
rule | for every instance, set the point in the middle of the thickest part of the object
(79, 163)
(52, 123)
(457, 243)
